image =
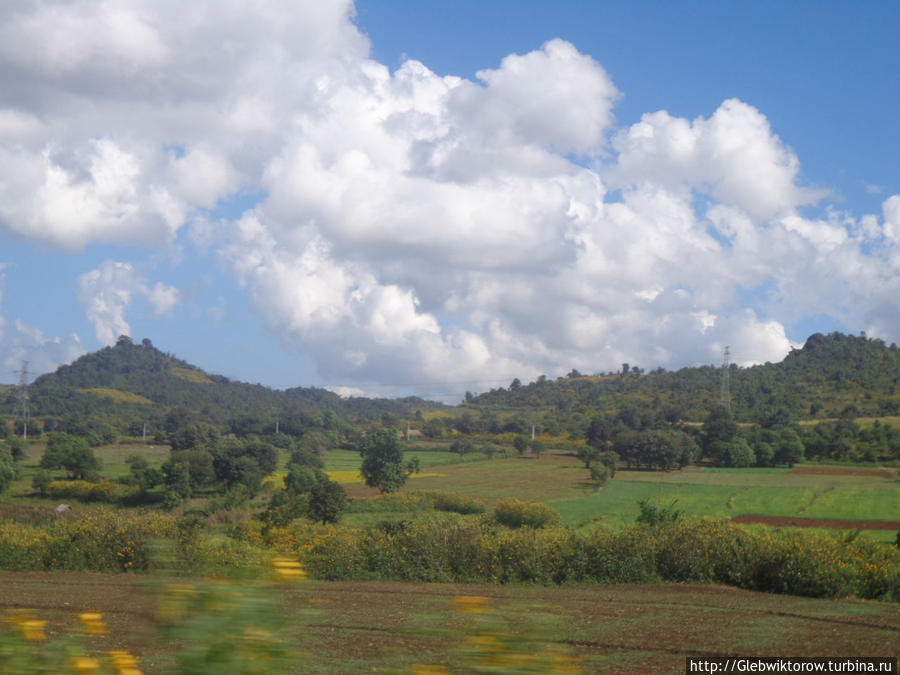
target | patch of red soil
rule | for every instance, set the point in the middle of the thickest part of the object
(880, 473)
(789, 521)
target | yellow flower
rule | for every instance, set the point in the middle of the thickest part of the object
(287, 569)
(124, 663)
(472, 604)
(34, 630)
(84, 665)
(92, 622)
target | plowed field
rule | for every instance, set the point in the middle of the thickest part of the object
(388, 627)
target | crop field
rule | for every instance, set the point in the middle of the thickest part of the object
(809, 491)
(822, 493)
(343, 627)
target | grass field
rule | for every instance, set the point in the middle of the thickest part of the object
(725, 493)
(390, 627)
(561, 480)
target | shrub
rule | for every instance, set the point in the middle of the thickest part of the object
(454, 502)
(517, 513)
(85, 491)
(654, 514)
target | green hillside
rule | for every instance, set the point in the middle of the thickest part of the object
(130, 384)
(831, 375)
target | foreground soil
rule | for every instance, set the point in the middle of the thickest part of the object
(388, 627)
(794, 521)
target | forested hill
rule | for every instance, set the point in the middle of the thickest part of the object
(831, 375)
(129, 384)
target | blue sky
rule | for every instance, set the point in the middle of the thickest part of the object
(379, 198)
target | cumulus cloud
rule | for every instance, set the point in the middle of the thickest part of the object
(107, 291)
(416, 229)
(24, 343)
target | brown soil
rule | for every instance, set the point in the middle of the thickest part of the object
(879, 473)
(793, 521)
(357, 627)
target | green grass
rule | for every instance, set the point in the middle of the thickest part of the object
(773, 501)
(857, 504)
(726, 493)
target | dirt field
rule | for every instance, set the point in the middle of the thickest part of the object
(388, 627)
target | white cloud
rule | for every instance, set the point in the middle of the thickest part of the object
(107, 291)
(733, 156)
(891, 210)
(27, 344)
(417, 229)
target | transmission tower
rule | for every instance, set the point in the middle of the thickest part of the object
(725, 393)
(22, 401)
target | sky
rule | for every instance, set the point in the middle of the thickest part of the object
(426, 198)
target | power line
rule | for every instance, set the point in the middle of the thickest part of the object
(21, 411)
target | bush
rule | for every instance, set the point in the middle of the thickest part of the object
(85, 491)
(654, 514)
(516, 513)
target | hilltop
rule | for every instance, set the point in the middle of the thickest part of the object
(831, 375)
(129, 384)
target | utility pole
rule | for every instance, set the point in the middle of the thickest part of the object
(725, 393)
(22, 404)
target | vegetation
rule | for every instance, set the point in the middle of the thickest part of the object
(382, 460)
(627, 477)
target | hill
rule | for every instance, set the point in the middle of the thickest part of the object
(130, 384)
(831, 375)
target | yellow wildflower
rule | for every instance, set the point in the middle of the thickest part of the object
(472, 604)
(34, 630)
(84, 665)
(124, 663)
(92, 622)
(287, 569)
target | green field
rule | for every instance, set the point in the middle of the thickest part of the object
(726, 493)
(562, 481)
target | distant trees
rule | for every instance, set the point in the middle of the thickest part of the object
(656, 449)
(201, 459)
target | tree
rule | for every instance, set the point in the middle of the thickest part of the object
(327, 500)
(719, 427)
(600, 431)
(382, 455)
(588, 454)
(462, 446)
(7, 468)
(72, 454)
(17, 447)
(520, 443)
(788, 448)
(300, 478)
(433, 428)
